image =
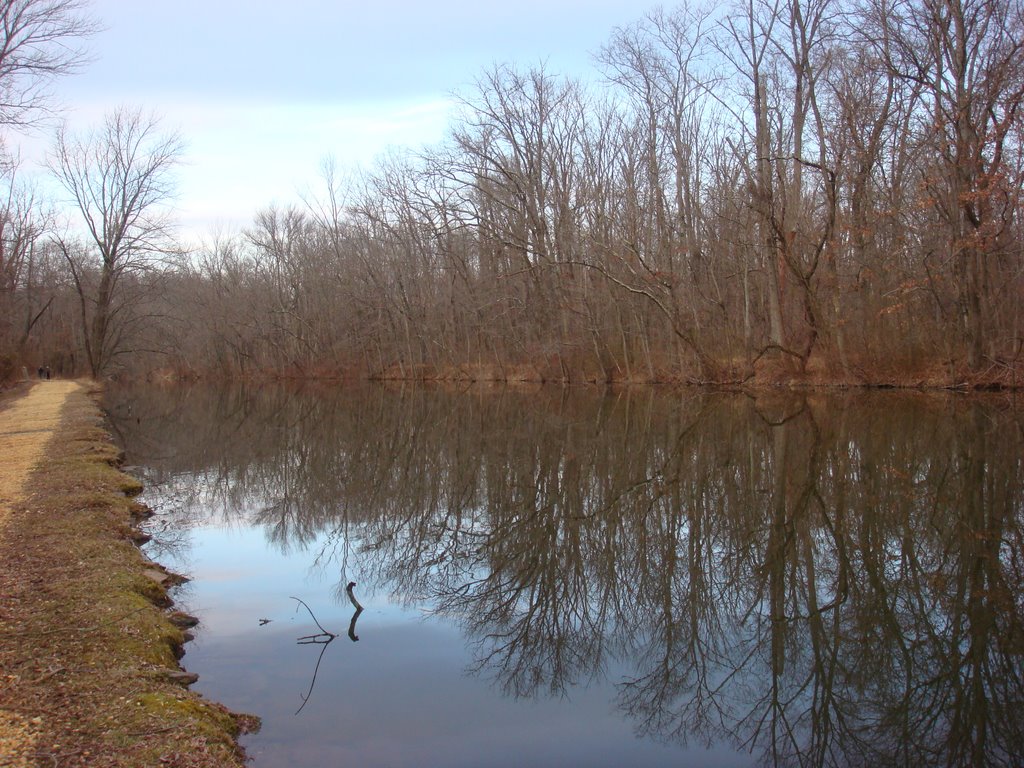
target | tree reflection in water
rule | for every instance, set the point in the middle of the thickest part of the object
(821, 580)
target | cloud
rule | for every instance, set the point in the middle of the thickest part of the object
(244, 156)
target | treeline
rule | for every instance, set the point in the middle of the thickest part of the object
(779, 190)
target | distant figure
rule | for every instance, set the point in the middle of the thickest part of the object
(41, 372)
(47, 373)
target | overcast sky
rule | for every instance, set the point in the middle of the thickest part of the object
(263, 90)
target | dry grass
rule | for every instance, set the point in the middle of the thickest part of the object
(86, 648)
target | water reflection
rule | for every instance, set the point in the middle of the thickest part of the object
(816, 580)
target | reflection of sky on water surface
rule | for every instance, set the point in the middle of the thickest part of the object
(401, 696)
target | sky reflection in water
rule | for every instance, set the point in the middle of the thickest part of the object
(398, 696)
(553, 580)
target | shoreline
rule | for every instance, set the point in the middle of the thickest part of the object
(89, 640)
(997, 378)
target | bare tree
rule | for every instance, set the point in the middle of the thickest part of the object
(662, 66)
(119, 177)
(39, 40)
(968, 57)
(22, 225)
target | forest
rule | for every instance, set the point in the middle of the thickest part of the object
(762, 192)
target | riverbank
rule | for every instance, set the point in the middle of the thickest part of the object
(770, 372)
(88, 642)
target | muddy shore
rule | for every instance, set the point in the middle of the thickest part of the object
(89, 639)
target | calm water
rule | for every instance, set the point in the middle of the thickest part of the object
(555, 579)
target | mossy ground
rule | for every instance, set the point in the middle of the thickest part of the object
(86, 646)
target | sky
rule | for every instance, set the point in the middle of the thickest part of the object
(263, 91)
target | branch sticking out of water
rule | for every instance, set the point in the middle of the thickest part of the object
(355, 616)
(323, 638)
(323, 632)
(352, 597)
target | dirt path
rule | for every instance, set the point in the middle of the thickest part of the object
(26, 427)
